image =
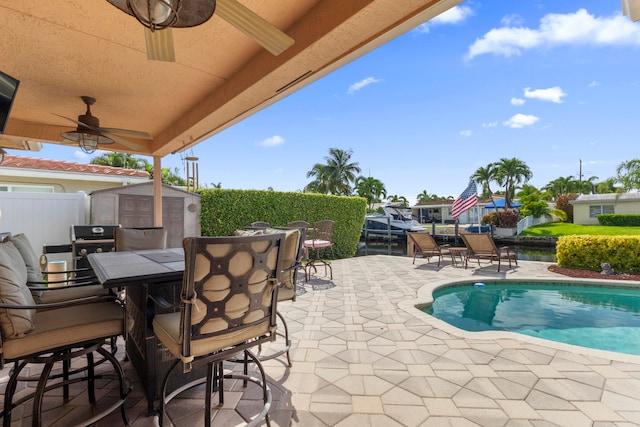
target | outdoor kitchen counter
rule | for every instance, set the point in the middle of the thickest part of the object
(144, 274)
(122, 269)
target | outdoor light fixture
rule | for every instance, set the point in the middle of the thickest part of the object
(159, 14)
(87, 139)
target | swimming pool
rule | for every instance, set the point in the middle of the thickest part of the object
(595, 316)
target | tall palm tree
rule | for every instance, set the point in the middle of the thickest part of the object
(484, 176)
(120, 160)
(337, 175)
(424, 197)
(628, 174)
(509, 173)
(398, 199)
(371, 189)
(562, 185)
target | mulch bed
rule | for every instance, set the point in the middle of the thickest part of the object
(588, 274)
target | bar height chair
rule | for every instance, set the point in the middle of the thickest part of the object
(320, 238)
(229, 296)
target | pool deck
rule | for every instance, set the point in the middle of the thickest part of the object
(363, 355)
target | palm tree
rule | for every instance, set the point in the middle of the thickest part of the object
(628, 174)
(337, 175)
(423, 197)
(509, 173)
(371, 189)
(398, 199)
(484, 176)
(120, 160)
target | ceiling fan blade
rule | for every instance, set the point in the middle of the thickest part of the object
(132, 133)
(267, 35)
(123, 141)
(159, 45)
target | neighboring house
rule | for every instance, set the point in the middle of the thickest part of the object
(587, 207)
(26, 174)
(439, 212)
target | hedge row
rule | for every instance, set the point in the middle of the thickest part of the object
(589, 252)
(224, 211)
(621, 220)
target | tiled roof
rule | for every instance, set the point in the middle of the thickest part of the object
(59, 165)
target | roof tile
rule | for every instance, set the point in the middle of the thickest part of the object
(60, 165)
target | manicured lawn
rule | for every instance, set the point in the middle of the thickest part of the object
(565, 229)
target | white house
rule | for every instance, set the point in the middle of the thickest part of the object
(587, 207)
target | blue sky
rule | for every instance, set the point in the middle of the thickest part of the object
(550, 83)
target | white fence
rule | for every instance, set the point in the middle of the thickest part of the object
(45, 218)
(530, 221)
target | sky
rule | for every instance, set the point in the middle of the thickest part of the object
(555, 84)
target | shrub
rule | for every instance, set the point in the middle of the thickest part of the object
(509, 219)
(588, 252)
(491, 219)
(621, 220)
(562, 203)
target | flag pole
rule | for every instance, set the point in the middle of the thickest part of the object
(478, 207)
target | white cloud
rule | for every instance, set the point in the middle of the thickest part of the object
(362, 83)
(521, 120)
(78, 154)
(466, 133)
(490, 125)
(558, 29)
(455, 15)
(553, 94)
(272, 141)
(594, 84)
(517, 101)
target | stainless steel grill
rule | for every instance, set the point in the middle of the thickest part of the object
(91, 238)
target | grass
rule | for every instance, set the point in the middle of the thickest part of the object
(566, 229)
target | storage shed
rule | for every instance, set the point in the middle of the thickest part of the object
(132, 206)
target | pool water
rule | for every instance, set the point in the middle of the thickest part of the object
(605, 318)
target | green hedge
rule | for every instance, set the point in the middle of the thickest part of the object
(224, 211)
(623, 220)
(588, 252)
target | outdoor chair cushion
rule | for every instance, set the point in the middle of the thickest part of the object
(21, 242)
(291, 244)
(14, 290)
(247, 232)
(64, 326)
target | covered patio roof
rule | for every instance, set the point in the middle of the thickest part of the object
(61, 50)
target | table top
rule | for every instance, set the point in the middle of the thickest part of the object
(116, 269)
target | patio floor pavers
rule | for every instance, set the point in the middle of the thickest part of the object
(364, 356)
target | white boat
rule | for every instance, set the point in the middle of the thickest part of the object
(392, 217)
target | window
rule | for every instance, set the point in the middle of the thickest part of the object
(26, 188)
(596, 210)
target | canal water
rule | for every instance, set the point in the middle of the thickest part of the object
(398, 247)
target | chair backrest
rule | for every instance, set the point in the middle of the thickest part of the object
(298, 224)
(291, 259)
(323, 230)
(423, 241)
(480, 244)
(230, 288)
(260, 224)
(136, 239)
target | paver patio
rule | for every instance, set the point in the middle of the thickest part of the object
(364, 356)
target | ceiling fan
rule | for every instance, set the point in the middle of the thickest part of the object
(158, 16)
(89, 134)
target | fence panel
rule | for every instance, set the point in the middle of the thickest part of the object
(45, 218)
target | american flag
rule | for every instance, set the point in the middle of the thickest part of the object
(465, 201)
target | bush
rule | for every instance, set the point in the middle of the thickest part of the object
(621, 220)
(588, 252)
(491, 219)
(562, 203)
(509, 219)
(224, 211)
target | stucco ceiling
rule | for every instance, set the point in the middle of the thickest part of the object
(63, 49)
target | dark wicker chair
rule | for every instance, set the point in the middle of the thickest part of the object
(229, 293)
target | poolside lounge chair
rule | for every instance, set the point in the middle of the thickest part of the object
(425, 245)
(481, 246)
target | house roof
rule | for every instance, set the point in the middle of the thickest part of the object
(61, 50)
(20, 162)
(607, 198)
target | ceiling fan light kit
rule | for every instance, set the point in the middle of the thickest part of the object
(159, 14)
(87, 139)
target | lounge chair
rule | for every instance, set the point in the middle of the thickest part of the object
(425, 245)
(481, 246)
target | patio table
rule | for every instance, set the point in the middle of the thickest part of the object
(158, 273)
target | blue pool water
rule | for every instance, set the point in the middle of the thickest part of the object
(605, 318)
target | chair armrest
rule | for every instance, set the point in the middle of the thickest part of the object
(446, 245)
(73, 283)
(61, 304)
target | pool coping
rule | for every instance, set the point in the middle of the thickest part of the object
(425, 297)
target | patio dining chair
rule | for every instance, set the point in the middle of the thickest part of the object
(229, 296)
(260, 224)
(425, 245)
(136, 239)
(481, 246)
(319, 239)
(46, 334)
